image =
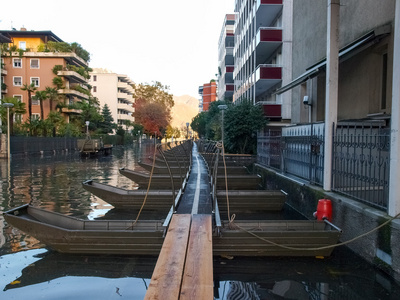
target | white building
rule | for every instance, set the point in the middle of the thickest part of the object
(116, 91)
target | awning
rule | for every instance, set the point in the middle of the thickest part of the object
(345, 53)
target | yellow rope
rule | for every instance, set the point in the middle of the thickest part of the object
(148, 187)
(232, 225)
(230, 218)
(323, 247)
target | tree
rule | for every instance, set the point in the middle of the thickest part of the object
(30, 88)
(54, 121)
(199, 124)
(241, 123)
(152, 117)
(41, 96)
(52, 95)
(18, 108)
(106, 125)
(153, 107)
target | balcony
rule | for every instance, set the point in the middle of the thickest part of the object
(71, 111)
(72, 76)
(124, 87)
(125, 107)
(268, 40)
(70, 57)
(267, 11)
(266, 77)
(125, 117)
(73, 93)
(272, 111)
(229, 87)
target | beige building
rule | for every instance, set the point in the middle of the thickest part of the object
(116, 91)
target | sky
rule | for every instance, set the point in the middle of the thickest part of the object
(174, 42)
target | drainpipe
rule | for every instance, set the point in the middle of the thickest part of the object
(394, 187)
(331, 96)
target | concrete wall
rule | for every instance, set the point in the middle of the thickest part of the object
(381, 247)
(360, 77)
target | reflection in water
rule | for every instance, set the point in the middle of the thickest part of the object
(54, 182)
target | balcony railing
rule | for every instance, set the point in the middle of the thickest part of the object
(72, 76)
(74, 93)
(267, 41)
(267, 11)
(267, 76)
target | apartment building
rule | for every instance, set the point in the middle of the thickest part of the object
(29, 59)
(116, 91)
(225, 59)
(208, 94)
(263, 35)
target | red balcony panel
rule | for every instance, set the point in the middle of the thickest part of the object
(271, 35)
(271, 1)
(270, 73)
(272, 111)
(230, 34)
(230, 87)
(230, 68)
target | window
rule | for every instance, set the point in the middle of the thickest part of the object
(22, 45)
(17, 62)
(94, 77)
(17, 81)
(94, 89)
(35, 81)
(18, 118)
(34, 63)
(18, 97)
(35, 101)
(35, 117)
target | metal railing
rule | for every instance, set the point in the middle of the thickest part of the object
(361, 157)
(361, 163)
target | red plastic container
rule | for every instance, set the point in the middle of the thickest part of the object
(324, 210)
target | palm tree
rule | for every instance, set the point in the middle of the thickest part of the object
(18, 108)
(52, 95)
(30, 88)
(41, 96)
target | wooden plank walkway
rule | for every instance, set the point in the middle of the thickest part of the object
(184, 267)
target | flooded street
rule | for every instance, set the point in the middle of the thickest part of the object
(54, 182)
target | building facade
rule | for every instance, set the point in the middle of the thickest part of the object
(28, 59)
(208, 94)
(263, 35)
(116, 91)
(225, 59)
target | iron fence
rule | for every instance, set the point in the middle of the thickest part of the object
(361, 163)
(361, 157)
(41, 144)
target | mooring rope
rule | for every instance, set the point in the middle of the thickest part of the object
(148, 187)
(233, 226)
(232, 217)
(322, 247)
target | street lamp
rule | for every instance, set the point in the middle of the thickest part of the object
(222, 107)
(87, 128)
(187, 130)
(8, 105)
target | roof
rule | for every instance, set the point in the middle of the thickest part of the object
(4, 39)
(25, 33)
